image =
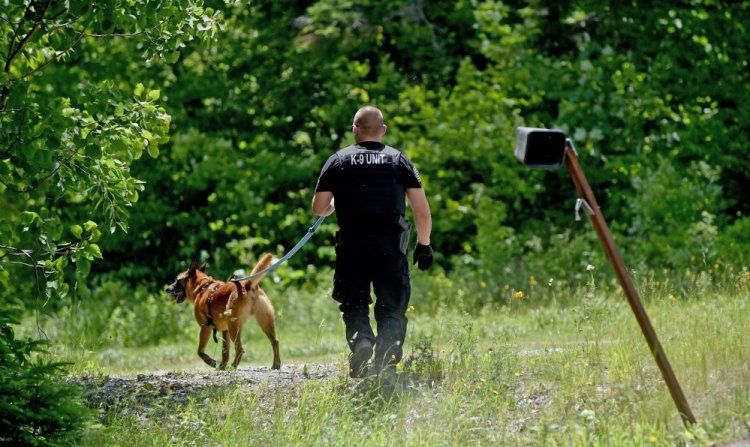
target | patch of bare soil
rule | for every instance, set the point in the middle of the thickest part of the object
(142, 394)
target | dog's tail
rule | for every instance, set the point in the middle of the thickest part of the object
(263, 264)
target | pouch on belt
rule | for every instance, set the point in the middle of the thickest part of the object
(403, 236)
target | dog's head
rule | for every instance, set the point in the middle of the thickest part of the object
(178, 289)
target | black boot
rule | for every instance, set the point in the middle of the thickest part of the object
(388, 343)
(360, 356)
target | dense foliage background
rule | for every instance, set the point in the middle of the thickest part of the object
(239, 103)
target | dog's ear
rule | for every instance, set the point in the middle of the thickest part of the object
(202, 268)
(191, 270)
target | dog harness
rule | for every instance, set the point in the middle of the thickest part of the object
(209, 317)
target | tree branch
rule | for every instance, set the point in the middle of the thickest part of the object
(25, 264)
(44, 179)
(19, 133)
(12, 53)
(138, 33)
(10, 24)
(59, 251)
(33, 264)
(54, 58)
(26, 38)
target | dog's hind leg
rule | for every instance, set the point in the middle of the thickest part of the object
(267, 322)
(224, 350)
(235, 334)
(202, 342)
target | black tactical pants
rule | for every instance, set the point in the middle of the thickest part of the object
(369, 258)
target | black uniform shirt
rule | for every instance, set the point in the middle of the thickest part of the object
(407, 174)
(371, 196)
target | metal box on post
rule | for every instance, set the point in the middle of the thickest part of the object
(547, 149)
(540, 148)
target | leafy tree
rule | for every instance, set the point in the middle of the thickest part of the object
(67, 138)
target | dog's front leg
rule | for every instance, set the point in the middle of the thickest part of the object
(224, 349)
(202, 342)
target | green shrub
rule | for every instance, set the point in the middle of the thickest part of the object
(734, 242)
(673, 214)
(36, 407)
(115, 315)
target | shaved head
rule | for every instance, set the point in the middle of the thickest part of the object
(368, 117)
(368, 124)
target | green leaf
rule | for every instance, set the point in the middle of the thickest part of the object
(153, 149)
(94, 251)
(89, 225)
(83, 267)
(93, 151)
(153, 95)
(54, 228)
(29, 217)
(137, 148)
(61, 263)
(4, 276)
(95, 235)
(139, 90)
(77, 231)
(118, 145)
(173, 57)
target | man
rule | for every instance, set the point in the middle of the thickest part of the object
(369, 182)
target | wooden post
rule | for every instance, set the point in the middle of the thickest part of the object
(605, 236)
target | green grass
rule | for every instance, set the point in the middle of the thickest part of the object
(572, 371)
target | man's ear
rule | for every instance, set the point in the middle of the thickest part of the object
(202, 268)
(191, 270)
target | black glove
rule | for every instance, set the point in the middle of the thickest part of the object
(423, 256)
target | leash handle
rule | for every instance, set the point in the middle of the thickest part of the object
(286, 257)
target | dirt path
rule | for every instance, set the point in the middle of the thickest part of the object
(142, 393)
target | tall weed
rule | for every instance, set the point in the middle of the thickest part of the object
(115, 315)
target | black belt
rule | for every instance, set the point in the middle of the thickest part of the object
(375, 224)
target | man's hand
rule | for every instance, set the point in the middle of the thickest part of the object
(423, 256)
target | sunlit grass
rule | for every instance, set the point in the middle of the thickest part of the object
(574, 370)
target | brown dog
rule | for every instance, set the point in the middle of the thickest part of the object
(224, 307)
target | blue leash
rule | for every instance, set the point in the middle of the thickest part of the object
(294, 250)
